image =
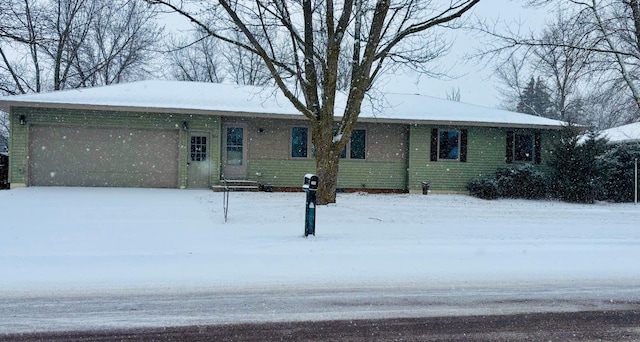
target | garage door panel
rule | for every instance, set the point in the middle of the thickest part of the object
(81, 156)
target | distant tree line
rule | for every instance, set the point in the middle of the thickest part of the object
(50, 45)
(583, 66)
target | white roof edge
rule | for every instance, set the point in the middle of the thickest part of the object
(229, 99)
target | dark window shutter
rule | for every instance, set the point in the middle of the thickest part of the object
(509, 155)
(463, 145)
(537, 145)
(434, 144)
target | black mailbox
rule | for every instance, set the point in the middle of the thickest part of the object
(310, 182)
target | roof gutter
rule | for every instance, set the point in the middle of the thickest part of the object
(6, 105)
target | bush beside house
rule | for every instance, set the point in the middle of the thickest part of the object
(618, 166)
(579, 171)
(577, 168)
(522, 181)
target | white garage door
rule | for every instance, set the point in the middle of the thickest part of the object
(118, 157)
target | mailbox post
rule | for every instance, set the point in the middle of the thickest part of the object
(310, 187)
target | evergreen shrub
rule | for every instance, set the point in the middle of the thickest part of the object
(485, 188)
(618, 164)
(577, 170)
(522, 181)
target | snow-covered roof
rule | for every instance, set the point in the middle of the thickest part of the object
(231, 99)
(622, 134)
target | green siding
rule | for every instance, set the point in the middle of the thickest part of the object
(372, 175)
(385, 168)
(280, 173)
(486, 149)
(18, 151)
(114, 119)
(352, 175)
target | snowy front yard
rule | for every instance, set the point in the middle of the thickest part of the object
(102, 239)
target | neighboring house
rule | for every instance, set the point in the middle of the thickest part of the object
(622, 134)
(191, 135)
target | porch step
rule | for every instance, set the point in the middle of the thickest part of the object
(236, 185)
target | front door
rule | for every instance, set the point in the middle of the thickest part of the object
(199, 165)
(234, 159)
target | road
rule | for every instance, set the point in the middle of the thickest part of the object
(365, 313)
(574, 326)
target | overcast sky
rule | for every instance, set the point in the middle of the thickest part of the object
(475, 81)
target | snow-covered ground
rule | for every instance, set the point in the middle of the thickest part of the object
(83, 258)
(71, 240)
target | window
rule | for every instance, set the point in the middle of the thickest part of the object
(523, 147)
(198, 148)
(299, 142)
(235, 146)
(449, 145)
(357, 146)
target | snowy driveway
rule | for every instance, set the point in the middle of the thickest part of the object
(147, 246)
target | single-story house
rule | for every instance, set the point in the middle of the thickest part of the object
(191, 135)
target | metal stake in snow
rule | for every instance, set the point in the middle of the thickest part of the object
(636, 182)
(225, 199)
(310, 187)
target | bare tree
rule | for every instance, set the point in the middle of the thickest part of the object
(246, 67)
(597, 41)
(206, 59)
(373, 35)
(198, 61)
(566, 68)
(58, 44)
(454, 94)
(121, 43)
(20, 40)
(606, 108)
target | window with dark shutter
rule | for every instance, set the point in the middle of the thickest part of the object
(523, 147)
(449, 145)
(434, 144)
(538, 148)
(463, 145)
(509, 154)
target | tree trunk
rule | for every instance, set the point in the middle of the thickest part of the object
(327, 172)
(327, 155)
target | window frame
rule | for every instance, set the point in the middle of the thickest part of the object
(458, 136)
(347, 151)
(230, 145)
(309, 148)
(198, 145)
(463, 144)
(519, 148)
(536, 149)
